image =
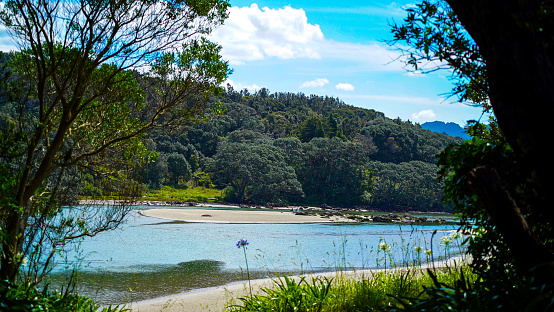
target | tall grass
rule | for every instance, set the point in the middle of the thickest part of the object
(382, 289)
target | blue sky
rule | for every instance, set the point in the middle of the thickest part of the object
(334, 48)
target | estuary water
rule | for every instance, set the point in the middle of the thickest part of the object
(149, 257)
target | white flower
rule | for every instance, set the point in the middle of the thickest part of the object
(445, 241)
(454, 235)
(383, 246)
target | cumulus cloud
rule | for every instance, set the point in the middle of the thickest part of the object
(237, 86)
(251, 33)
(316, 83)
(344, 87)
(424, 115)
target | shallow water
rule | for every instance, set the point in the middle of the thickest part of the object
(149, 257)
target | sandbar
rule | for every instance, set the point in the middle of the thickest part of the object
(239, 216)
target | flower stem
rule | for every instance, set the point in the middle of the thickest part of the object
(248, 272)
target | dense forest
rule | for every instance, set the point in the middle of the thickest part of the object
(285, 148)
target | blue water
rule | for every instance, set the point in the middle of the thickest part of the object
(170, 257)
(276, 247)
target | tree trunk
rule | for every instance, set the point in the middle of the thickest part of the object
(515, 39)
(12, 245)
(529, 252)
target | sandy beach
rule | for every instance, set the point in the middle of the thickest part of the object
(216, 299)
(239, 216)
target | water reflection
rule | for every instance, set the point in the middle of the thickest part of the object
(142, 282)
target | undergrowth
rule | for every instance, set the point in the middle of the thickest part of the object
(397, 285)
(383, 290)
(27, 298)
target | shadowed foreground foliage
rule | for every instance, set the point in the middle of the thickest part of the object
(380, 291)
(27, 298)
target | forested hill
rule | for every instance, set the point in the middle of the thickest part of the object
(303, 149)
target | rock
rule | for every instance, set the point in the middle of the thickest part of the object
(382, 219)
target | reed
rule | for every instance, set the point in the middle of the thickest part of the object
(380, 289)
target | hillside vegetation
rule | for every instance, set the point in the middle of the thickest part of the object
(285, 148)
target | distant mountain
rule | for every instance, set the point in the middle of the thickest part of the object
(449, 128)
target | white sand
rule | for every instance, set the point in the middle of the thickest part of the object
(216, 299)
(238, 216)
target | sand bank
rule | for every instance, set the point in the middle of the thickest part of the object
(239, 216)
(216, 299)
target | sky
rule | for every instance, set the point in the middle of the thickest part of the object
(331, 48)
(334, 48)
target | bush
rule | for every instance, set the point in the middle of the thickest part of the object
(27, 298)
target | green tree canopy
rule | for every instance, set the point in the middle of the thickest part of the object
(332, 172)
(255, 173)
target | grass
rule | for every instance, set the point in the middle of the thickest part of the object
(390, 289)
(167, 193)
(381, 290)
(196, 194)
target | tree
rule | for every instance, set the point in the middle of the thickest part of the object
(256, 173)
(179, 168)
(311, 128)
(504, 49)
(524, 32)
(437, 40)
(332, 172)
(411, 184)
(90, 78)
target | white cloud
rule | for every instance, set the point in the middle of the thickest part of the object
(251, 33)
(417, 73)
(316, 83)
(237, 86)
(344, 87)
(424, 115)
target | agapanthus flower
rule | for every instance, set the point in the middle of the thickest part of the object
(242, 243)
(383, 246)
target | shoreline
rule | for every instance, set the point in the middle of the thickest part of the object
(216, 204)
(216, 299)
(260, 214)
(198, 215)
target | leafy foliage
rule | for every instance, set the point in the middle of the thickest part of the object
(437, 40)
(499, 180)
(77, 102)
(255, 173)
(26, 298)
